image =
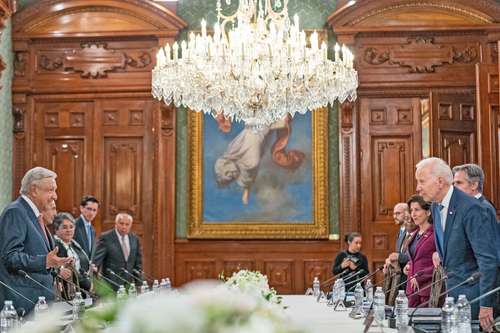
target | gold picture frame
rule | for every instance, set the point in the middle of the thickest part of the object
(316, 229)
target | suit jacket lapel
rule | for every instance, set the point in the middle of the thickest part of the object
(450, 219)
(83, 234)
(423, 239)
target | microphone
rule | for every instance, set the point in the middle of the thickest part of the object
(480, 297)
(27, 276)
(400, 284)
(446, 276)
(378, 284)
(330, 280)
(141, 273)
(16, 292)
(132, 275)
(77, 287)
(362, 279)
(471, 280)
(110, 271)
(353, 274)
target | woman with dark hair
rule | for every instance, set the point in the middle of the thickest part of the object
(351, 260)
(420, 248)
(64, 227)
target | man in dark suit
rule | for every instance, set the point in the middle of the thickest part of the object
(401, 215)
(470, 179)
(25, 242)
(119, 249)
(463, 235)
(85, 232)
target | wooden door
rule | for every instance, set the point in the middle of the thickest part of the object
(390, 139)
(488, 133)
(453, 126)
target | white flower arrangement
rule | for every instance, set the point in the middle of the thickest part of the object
(253, 283)
(199, 307)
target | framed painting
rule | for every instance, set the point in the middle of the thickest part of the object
(259, 184)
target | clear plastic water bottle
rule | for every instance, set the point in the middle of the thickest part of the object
(369, 291)
(448, 316)
(41, 306)
(401, 310)
(78, 306)
(335, 291)
(8, 317)
(168, 284)
(144, 288)
(316, 287)
(156, 287)
(358, 296)
(121, 293)
(379, 306)
(132, 291)
(463, 315)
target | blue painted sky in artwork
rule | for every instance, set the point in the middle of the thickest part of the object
(278, 195)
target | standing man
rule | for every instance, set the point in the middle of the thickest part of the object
(401, 215)
(470, 179)
(119, 249)
(85, 232)
(25, 242)
(463, 235)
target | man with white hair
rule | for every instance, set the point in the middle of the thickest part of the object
(463, 235)
(118, 252)
(25, 243)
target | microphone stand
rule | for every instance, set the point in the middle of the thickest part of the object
(141, 273)
(110, 271)
(362, 279)
(57, 298)
(77, 287)
(472, 279)
(109, 281)
(16, 292)
(132, 275)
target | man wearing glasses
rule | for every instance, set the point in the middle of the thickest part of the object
(85, 232)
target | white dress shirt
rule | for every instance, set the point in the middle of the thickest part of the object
(446, 204)
(32, 205)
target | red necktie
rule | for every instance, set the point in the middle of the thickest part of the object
(42, 225)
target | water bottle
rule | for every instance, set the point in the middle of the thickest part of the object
(168, 284)
(401, 310)
(8, 317)
(316, 287)
(358, 296)
(448, 316)
(369, 291)
(156, 287)
(132, 291)
(379, 306)
(41, 306)
(144, 288)
(78, 306)
(463, 315)
(121, 293)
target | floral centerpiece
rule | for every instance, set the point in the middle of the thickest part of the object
(199, 307)
(253, 283)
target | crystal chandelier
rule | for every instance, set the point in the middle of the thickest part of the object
(256, 67)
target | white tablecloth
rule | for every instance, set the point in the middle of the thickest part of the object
(320, 318)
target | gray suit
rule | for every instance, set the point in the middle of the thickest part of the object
(23, 246)
(468, 247)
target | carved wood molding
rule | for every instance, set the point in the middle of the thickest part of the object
(93, 60)
(18, 112)
(421, 55)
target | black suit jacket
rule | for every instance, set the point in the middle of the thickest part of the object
(109, 255)
(81, 236)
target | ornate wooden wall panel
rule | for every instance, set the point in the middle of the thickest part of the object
(488, 120)
(83, 106)
(390, 147)
(454, 127)
(425, 53)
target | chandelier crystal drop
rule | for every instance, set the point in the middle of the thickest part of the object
(257, 67)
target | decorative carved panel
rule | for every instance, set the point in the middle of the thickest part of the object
(123, 160)
(18, 113)
(20, 62)
(94, 60)
(77, 119)
(52, 119)
(110, 117)
(380, 241)
(67, 159)
(279, 274)
(316, 268)
(466, 112)
(405, 116)
(136, 118)
(200, 269)
(378, 116)
(445, 111)
(458, 148)
(233, 266)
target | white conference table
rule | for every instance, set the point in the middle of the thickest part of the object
(320, 318)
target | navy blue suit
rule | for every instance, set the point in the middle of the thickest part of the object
(468, 247)
(81, 237)
(23, 246)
